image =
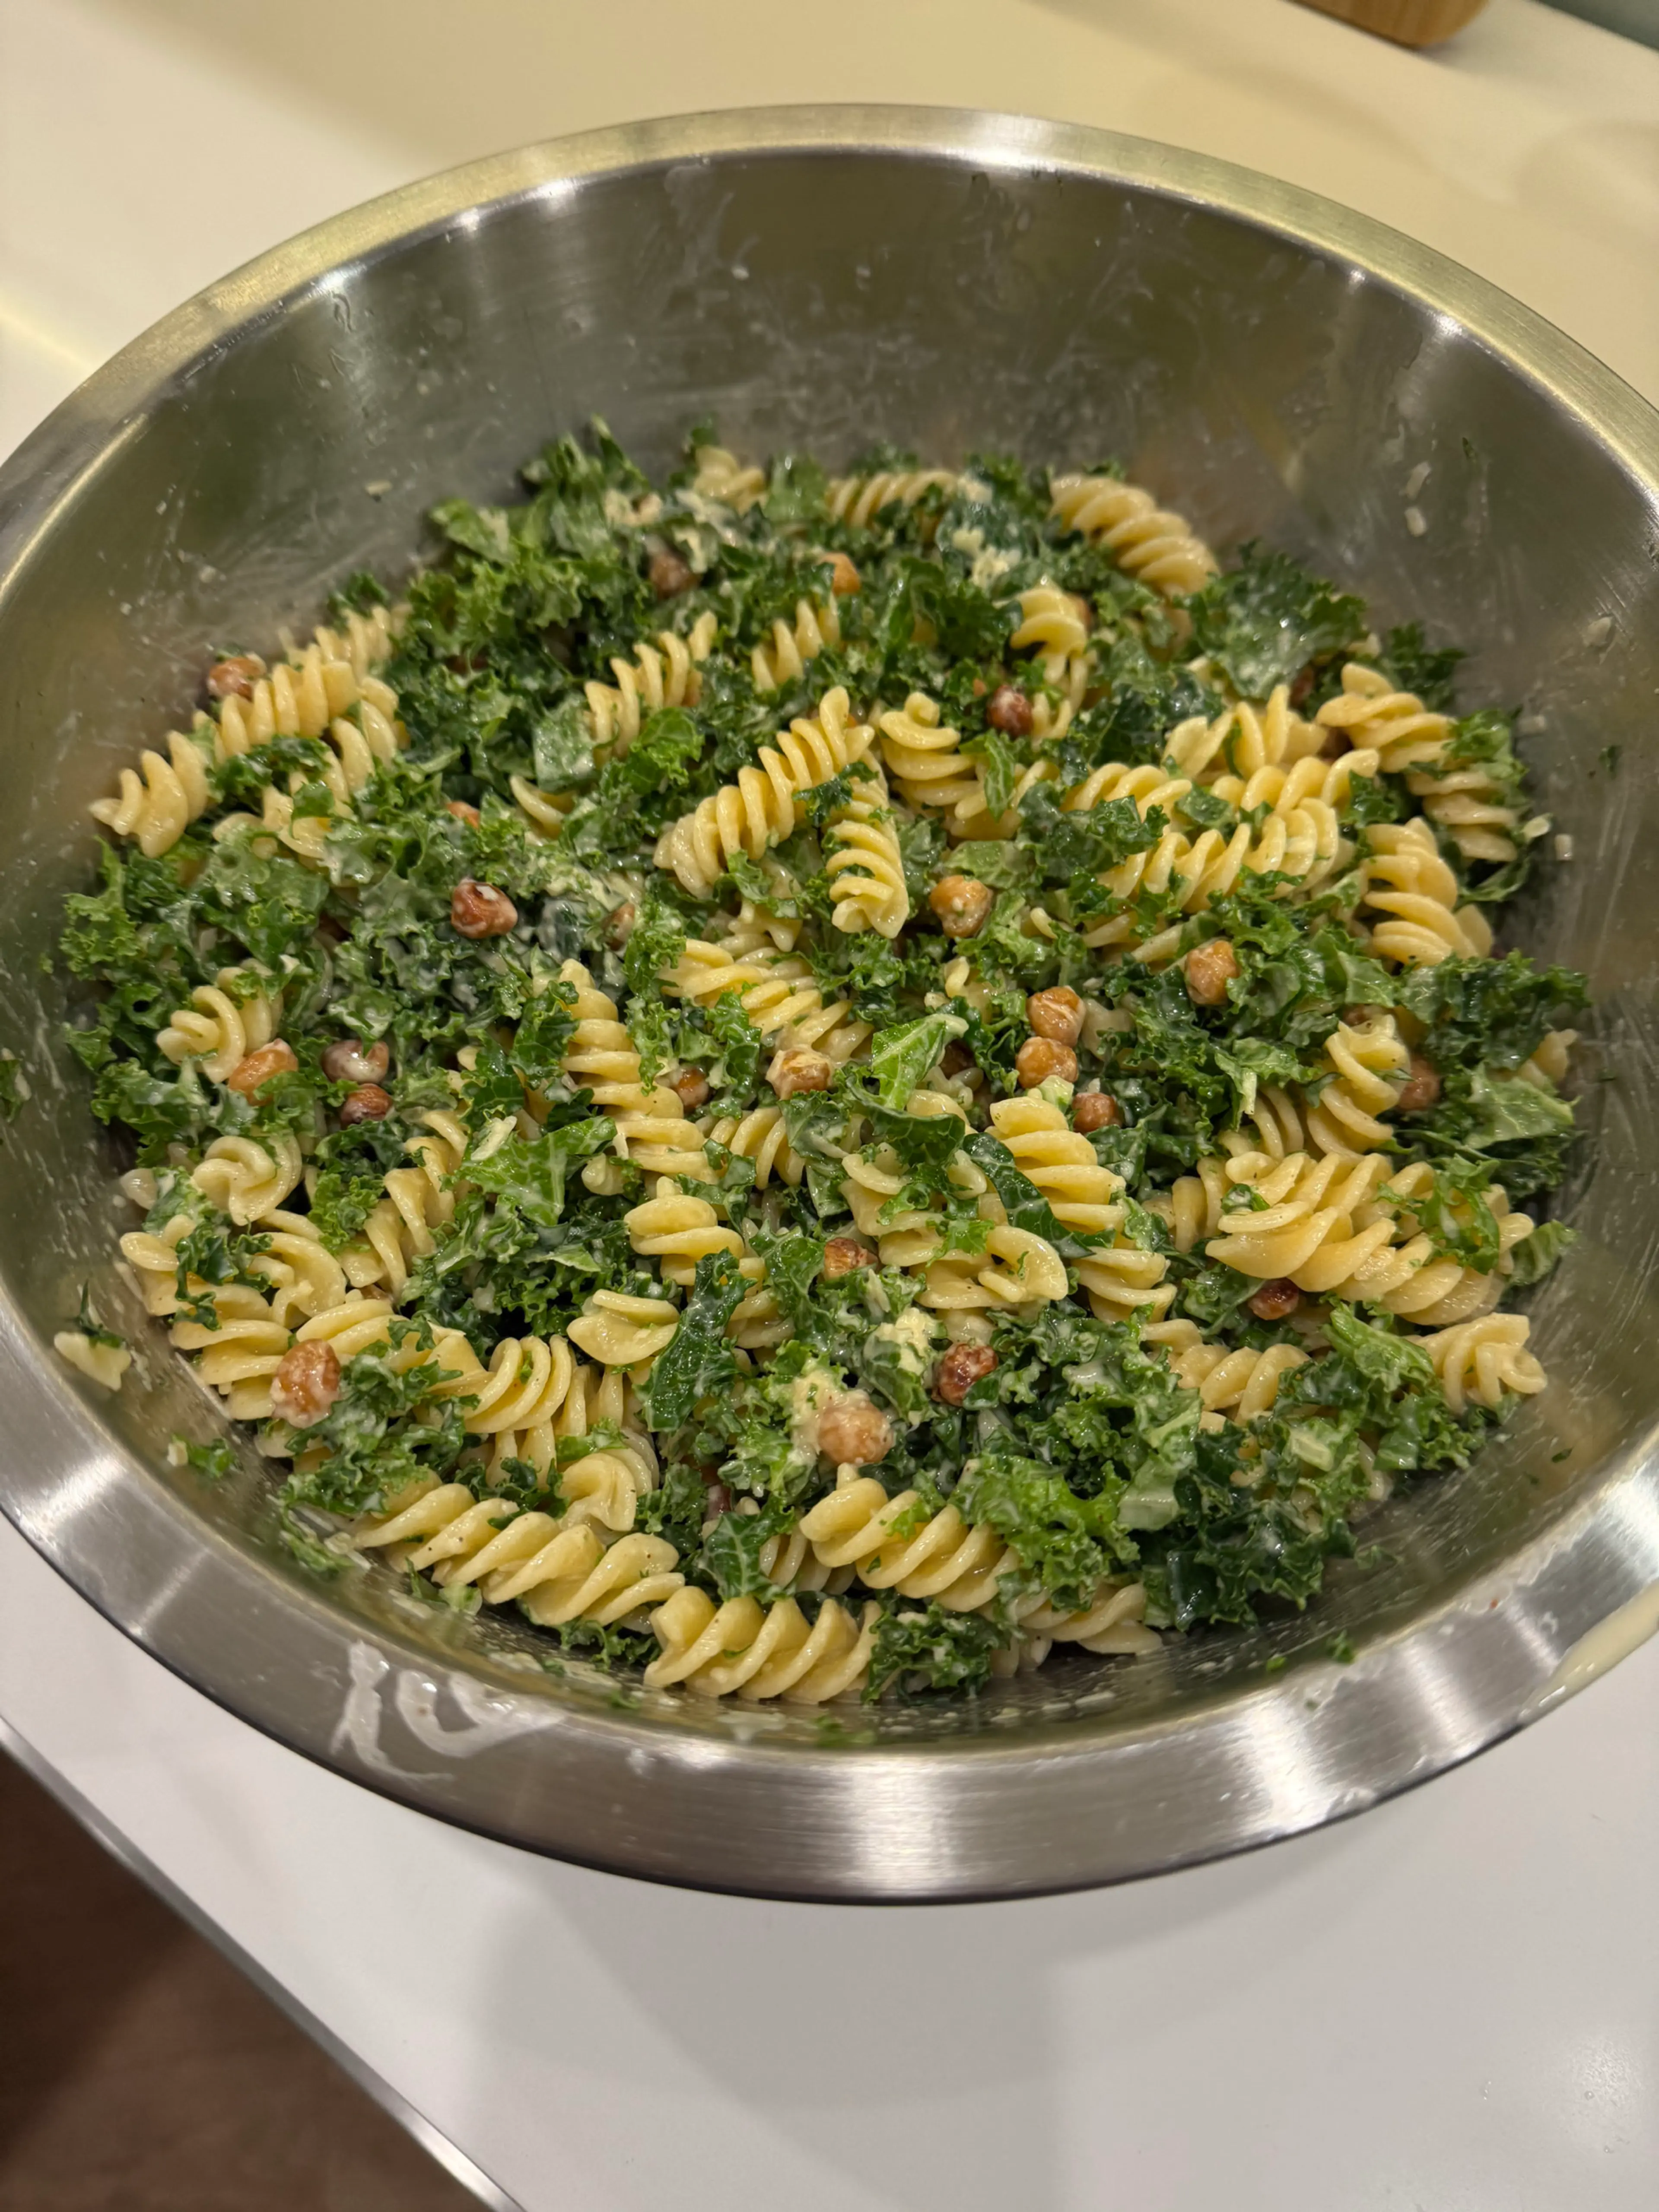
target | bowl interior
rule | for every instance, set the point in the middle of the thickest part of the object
(826, 296)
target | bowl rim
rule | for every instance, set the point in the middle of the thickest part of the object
(643, 1793)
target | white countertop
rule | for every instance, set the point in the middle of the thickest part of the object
(1446, 2004)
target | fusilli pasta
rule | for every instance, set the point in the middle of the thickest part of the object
(759, 808)
(1156, 547)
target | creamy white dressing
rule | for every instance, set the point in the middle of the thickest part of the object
(912, 1331)
(809, 1393)
(1603, 1647)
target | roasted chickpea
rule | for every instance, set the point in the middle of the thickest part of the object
(844, 1255)
(350, 1060)
(796, 1069)
(1275, 1299)
(1040, 1059)
(619, 924)
(235, 678)
(961, 903)
(368, 1103)
(1056, 1014)
(1010, 711)
(305, 1385)
(1422, 1087)
(957, 1060)
(690, 1087)
(963, 1365)
(255, 1068)
(480, 910)
(1096, 1110)
(845, 580)
(669, 574)
(853, 1432)
(463, 812)
(1210, 967)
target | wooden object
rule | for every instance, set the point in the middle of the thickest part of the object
(1409, 22)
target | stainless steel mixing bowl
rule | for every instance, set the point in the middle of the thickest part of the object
(1269, 362)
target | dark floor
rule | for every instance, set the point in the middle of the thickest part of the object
(139, 2072)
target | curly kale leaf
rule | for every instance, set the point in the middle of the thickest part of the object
(527, 1176)
(1144, 703)
(698, 1361)
(930, 1649)
(1065, 1542)
(1495, 1011)
(1534, 1256)
(731, 1553)
(1068, 845)
(1428, 672)
(902, 1056)
(1264, 621)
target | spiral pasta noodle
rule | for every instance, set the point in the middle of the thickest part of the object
(1412, 889)
(757, 1652)
(1470, 806)
(1081, 1193)
(1241, 1382)
(1411, 1278)
(778, 997)
(864, 866)
(1018, 1268)
(1369, 1067)
(239, 1355)
(1369, 712)
(420, 1200)
(1230, 752)
(1114, 1622)
(783, 657)
(858, 501)
(559, 1569)
(651, 1130)
(1546, 1066)
(676, 1231)
(221, 1025)
(720, 475)
(536, 1394)
(1304, 845)
(1196, 1202)
(1273, 1126)
(1477, 1362)
(1305, 1231)
(662, 673)
(1053, 623)
(1123, 1282)
(858, 1526)
(1157, 548)
(304, 1275)
(924, 758)
(248, 1179)
(619, 1329)
(315, 695)
(761, 1136)
(759, 808)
